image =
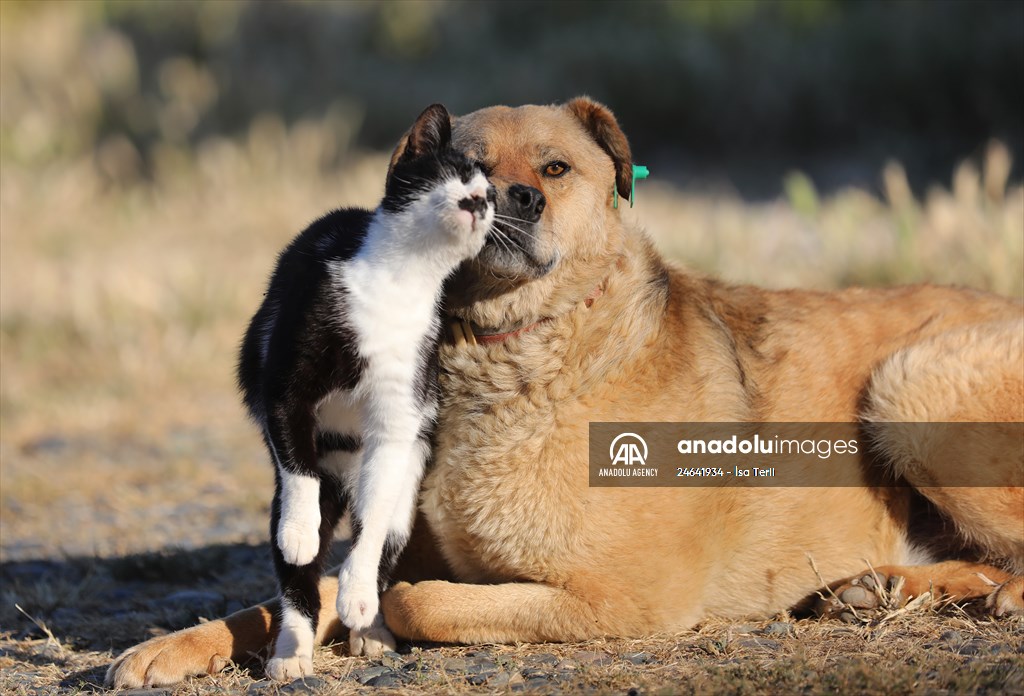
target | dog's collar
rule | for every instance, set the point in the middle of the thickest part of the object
(466, 333)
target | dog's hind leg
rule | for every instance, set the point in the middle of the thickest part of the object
(209, 647)
(876, 589)
(946, 415)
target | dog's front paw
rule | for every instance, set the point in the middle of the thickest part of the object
(165, 660)
(358, 601)
(373, 641)
(287, 669)
(299, 538)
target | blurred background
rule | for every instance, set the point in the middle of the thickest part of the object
(154, 157)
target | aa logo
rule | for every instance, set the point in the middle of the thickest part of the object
(628, 449)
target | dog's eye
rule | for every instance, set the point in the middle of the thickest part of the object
(556, 168)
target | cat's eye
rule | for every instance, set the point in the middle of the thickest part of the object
(466, 171)
(556, 168)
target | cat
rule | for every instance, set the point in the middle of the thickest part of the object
(339, 369)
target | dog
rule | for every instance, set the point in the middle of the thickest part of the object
(573, 318)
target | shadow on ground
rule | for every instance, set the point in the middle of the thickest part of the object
(101, 604)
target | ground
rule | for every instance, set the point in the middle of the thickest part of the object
(80, 611)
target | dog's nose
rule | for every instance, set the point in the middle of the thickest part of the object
(529, 202)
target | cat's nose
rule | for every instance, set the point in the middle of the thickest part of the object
(474, 204)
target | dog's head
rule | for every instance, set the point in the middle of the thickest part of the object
(554, 168)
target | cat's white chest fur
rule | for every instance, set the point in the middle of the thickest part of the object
(393, 311)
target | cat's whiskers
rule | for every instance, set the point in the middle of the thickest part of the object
(501, 238)
(504, 220)
(515, 219)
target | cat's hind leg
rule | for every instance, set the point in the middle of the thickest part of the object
(390, 467)
(376, 639)
(300, 595)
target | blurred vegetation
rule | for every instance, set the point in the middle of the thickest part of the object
(155, 156)
(925, 81)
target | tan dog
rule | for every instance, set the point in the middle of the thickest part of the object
(577, 319)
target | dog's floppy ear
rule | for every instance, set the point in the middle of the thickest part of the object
(431, 132)
(603, 128)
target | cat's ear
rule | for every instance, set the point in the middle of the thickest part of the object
(432, 132)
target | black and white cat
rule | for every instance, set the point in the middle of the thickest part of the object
(338, 367)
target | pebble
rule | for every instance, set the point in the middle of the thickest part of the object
(588, 657)
(541, 659)
(778, 628)
(762, 643)
(478, 679)
(389, 679)
(481, 666)
(952, 637)
(417, 665)
(367, 673)
(308, 685)
(540, 684)
(978, 647)
(392, 659)
(454, 664)
(498, 679)
(639, 658)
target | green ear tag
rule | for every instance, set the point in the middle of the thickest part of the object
(639, 172)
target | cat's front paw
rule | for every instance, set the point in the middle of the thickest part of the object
(358, 601)
(298, 538)
(288, 669)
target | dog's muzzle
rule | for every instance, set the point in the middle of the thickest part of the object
(513, 247)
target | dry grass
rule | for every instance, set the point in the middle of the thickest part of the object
(925, 653)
